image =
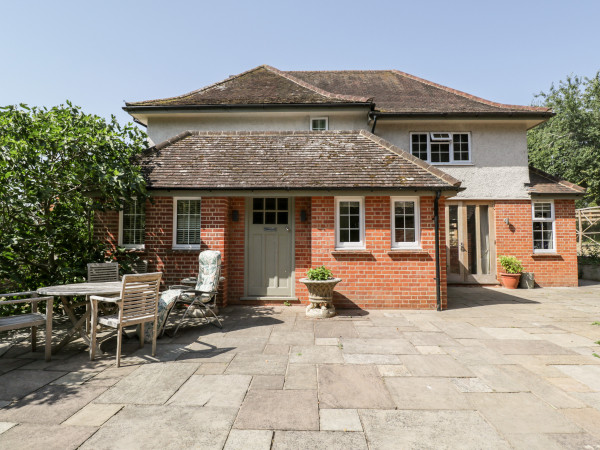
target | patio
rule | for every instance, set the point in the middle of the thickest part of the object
(499, 369)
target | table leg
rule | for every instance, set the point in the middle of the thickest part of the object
(77, 325)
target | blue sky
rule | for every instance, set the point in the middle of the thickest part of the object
(98, 54)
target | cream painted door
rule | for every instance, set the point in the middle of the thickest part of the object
(470, 245)
(270, 247)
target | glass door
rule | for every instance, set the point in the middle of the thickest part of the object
(470, 243)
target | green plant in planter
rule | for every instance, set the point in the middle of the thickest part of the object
(511, 264)
(319, 274)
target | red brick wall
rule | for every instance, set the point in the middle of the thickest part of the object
(378, 278)
(516, 239)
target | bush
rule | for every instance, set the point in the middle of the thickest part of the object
(319, 274)
(511, 264)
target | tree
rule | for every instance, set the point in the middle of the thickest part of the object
(568, 145)
(57, 166)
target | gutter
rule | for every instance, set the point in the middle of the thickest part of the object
(436, 223)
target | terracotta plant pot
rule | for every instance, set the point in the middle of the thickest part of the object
(510, 280)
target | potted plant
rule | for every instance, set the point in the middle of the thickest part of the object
(512, 271)
(320, 283)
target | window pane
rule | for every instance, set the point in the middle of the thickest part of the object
(542, 210)
(354, 208)
(319, 124)
(133, 223)
(354, 221)
(258, 203)
(270, 203)
(419, 146)
(257, 218)
(282, 203)
(344, 235)
(344, 221)
(282, 217)
(404, 221)
(354, 235)
(440, 152)
(270, 218)
(188, 222)
(344, 208)
(461, 146)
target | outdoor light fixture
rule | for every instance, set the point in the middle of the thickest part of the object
(506, 221)
(235, 215)
(303, 215)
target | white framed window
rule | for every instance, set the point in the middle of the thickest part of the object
(132, 225)
(186, 223)
(544, 233)
(441, 147)
(406, 224)
(349, 222)
(319, 123)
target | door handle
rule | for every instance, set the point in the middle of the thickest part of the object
(287, 228)
(462, 247)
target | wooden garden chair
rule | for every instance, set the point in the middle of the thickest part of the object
(33, 319)
(137, 305)
(99, 272)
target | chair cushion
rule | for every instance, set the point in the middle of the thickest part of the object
(209, 271)
(165, 303)
(109, 321)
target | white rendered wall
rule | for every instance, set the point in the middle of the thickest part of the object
(161, 128)
(498, 168)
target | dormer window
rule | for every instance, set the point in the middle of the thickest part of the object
(441, 147)
(319, 124)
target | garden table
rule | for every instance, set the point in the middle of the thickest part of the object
(66, 292)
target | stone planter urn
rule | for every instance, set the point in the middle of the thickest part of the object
(320, 293)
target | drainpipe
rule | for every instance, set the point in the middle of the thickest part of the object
(436, 223)
(374, 123)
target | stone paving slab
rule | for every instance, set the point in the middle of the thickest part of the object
(93, 414)
(324, 329)
(301, 376)
(165, 427)
(397, 346)
(212, 390)
(429, 429)
(19, 383)
(302, 440)
(588, 375)
(249, 440)
(5, 426)
(434, 366)
(267, 382)
(426, 393)
(151, 384)
(339, 420)
(258, 365)
(527, 347)
(521, 413)
(316, 355)
(50, 404)
(48, 437)
(352, 387)
(279, 410)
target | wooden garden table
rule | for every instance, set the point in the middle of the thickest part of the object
(66, 292)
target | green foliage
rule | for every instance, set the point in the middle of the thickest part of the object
(57, 166)
(511, 264)
(591, 256)
(595, 323)
(319, 274)
(568, 145)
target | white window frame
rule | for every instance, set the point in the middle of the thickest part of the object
(177, 246)
(552, 220)
(431, 139)
(120, 239)
(350, 245)
(326, 119)
(400, 245)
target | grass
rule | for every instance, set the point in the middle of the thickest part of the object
(596, 355)
(596, 323)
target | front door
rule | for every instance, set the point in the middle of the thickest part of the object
(470, 246)
(270, 247)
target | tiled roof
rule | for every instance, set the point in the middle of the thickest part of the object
(261, 85)
(544, 183)
(391, 91)
(399, 92)
(313, 160)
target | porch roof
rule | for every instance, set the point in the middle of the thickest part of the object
(542, 183)
(287, 160)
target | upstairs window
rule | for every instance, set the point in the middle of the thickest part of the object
(187, 224)
(544, 236)
(132, 225)
(441, 147)
(319, 124)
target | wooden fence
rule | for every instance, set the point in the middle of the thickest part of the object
(588, 229)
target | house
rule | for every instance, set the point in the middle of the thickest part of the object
(283, 171)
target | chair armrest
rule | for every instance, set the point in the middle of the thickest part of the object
(180, 286)
(202, 292)
(221, 279)
(97, 298)
(26, 300)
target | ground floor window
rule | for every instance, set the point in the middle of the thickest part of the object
(350, 222)
(132, 225)
(186, 218)
(405, 222)
(544, 235)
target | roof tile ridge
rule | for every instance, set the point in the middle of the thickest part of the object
(558, 180)
(314, 88)
(210, 86)
(171, 140)
(470, 96)
(339, 71)
(413, 159)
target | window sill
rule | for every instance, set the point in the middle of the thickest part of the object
(536, 254)
(195, 249)
(407, 251)
(133, 248)
(452, 164)
(350, 251)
